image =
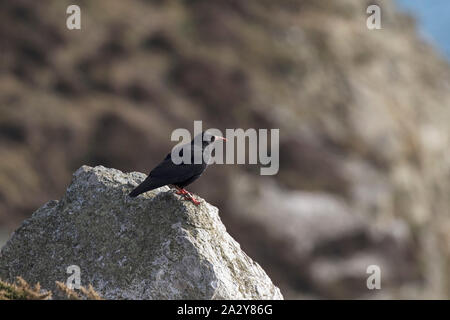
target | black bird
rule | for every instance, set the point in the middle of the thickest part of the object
(179, 175)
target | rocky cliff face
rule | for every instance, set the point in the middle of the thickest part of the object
(156, 246)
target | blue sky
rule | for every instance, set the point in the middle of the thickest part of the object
(434, 20)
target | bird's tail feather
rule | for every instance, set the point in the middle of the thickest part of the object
(135, 193)
(147, 185)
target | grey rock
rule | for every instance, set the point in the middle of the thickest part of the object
(156, 246)
(318, 238)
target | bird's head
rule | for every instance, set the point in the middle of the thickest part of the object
(206, 139)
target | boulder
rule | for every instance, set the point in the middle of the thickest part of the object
(155, 246)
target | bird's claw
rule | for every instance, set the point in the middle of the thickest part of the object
(187, 196)
(196, 202)
(183, 192)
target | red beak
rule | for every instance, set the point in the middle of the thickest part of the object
(221, 138)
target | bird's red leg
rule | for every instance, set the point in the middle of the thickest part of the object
(193, 200)
(181, 191)
(188, 196)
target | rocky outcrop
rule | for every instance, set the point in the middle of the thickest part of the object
(156, 246)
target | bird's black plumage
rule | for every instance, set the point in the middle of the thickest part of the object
(179, 175)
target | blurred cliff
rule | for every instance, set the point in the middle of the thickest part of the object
(363, 115)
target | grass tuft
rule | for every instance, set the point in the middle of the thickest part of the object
(21, 290)
(84, 294)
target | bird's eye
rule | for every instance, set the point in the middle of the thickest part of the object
(213, 138)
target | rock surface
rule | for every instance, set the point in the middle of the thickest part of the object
(153, 247)
(323, 242)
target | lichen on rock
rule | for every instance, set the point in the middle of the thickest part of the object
(155, 246)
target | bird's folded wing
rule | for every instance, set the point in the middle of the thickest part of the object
(172, 173)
